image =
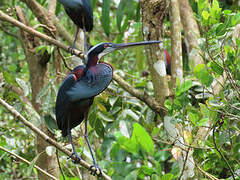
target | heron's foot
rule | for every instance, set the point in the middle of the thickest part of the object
(71, 49)
(77, 158)
(95, 170)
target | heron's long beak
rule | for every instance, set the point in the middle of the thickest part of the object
(112, 46)
(126, 45)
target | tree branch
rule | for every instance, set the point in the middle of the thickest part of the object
(143, 96)
(32, 31)
(42, 15)
(206, 173)
(14, 112)
(26, 161)
(176, 44)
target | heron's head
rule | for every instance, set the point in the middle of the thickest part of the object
(102, 49)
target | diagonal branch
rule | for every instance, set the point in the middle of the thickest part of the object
(143, 96)
(5, 17)
(26, 161)
(45, 137)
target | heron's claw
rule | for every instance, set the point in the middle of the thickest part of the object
(95, 170)
(77, 159)
(71, 49)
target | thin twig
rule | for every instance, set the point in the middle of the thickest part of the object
(53, 35)
(184, 164)
(206, 173)
(8, 33)
(218, 150)
(5, 17)
(29, 163)
(59, 165)
(143, 96)
(51, 141)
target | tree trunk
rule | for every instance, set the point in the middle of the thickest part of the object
(191, 33)
(37, 65)
(176, 44)
(153, 13)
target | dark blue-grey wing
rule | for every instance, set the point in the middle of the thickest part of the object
(63, 99)
(92, 84)
(81, 9)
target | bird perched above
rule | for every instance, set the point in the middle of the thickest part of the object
(80, 11)
(77, 92)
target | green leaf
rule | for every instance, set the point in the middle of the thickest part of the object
(147, 170)
(7, 76)
(168, 104)
(99, 128)
(128, 144)
(203, 75)
(215, 6)
(130, 113)
(93, 3)
(224, 137)
(125, 7)
(202, 4)
(43, 92)
(12, 68)
(167, 177)
(104, 117)
(193, 117)
(205, 15)
(50, 123)
(31, 165)
(155, 177)
(105, 16)
(23, 85)
(162, 156)
(202, 122)
(216, 68)
(131, 176)
(186, 85)
(141, 136)
(120, 12)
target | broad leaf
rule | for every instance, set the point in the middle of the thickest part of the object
(105, 16)
(141, 136)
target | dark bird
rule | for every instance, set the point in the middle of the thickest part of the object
(76, 94)
(80, 11)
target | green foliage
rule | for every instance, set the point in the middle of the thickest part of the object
(132, 137)
(202, 74)
(140, 140)
(106, 16)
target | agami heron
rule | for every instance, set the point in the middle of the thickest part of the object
(77, 92)
(80, 11)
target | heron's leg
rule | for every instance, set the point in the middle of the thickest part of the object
(71, 48)
(93, 171)
(85, 38)
(85, 41)
(73, 147)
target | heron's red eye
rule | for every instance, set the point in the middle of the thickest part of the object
(105, 45)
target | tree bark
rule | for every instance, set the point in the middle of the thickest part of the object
(191, 33)
(176, 44)
(153, 13)
(37, 65)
